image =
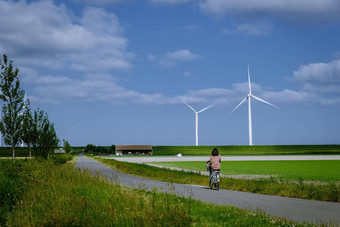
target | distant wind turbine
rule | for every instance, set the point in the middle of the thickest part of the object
(22, 142)
(250, 95)
(196, 118)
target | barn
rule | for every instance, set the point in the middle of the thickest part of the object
(133, 150)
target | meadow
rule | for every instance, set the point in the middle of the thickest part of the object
(248, 150)
(308, 170)
(49, 193)
(269, 186)
(206, 150)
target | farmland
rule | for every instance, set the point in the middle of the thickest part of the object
(310, 170)
(248, 150)
(206, 150)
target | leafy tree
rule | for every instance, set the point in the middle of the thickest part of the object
(13, 97)
(46, 138)
(28, 132)
(112, 149)
(67, 146)
(90, 148)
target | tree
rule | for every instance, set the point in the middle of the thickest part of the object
(13, 97)
(67, 146)
(46, 138)
(28, 132)
(112, 149)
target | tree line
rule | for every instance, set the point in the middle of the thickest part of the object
(18, 123)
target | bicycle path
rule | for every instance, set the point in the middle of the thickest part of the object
(299, 210)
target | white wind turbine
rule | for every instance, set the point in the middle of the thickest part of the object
(196, 118)
(22, 142)
(250, 95)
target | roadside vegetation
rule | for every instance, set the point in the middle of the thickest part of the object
(17, 122)
(271, 186)
(41, 192)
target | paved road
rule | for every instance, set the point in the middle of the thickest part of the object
(293, 209)
(144, 159)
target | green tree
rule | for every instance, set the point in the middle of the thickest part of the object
(13, 97)
(46, 138)
(28, 129)
(67, 146)
(112, 149)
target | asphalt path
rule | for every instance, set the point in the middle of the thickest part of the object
(298, 210)
(145, 159)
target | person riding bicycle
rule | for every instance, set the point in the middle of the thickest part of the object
(215, 158)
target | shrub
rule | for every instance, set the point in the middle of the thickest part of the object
(60, 159)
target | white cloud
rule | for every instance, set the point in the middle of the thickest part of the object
(92, 87)
(258, 29)
(169, 2)
(151, 57)
(187, 73)
(172, 58)
(307, 10)
(44, 34)
(104, 88)
(100, 2)
(319, 77)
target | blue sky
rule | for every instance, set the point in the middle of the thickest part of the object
(117, 71)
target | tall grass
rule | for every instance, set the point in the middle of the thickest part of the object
(56, 195)
(272, 186)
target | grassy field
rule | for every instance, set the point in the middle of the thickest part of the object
(206, 150)
(45, 193)
(248, 150)
(270, 186)
(315, 170)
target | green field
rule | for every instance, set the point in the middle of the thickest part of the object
(314, 170)
(248, 150)
(206, 150)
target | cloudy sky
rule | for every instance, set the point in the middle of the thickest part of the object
(117, 71)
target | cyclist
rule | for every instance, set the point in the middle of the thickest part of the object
(215, 158)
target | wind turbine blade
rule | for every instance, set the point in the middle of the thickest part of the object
(205, 108)
(190, 107)
(261, 100)
(249, 80)
(240, 103)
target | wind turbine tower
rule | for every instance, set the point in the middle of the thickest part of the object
(248, 97)
(196, 118)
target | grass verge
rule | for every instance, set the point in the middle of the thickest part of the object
(329, 192)
(46, 194)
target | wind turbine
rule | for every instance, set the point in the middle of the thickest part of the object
(250, 95)
(22, 142)
(196, 118)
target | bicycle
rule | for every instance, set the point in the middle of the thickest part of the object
(214, 178)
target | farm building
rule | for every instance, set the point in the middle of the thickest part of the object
(134, 150)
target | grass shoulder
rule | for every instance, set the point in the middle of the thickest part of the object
(47, 194)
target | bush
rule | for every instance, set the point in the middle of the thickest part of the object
(97, 150)
(60, 159)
